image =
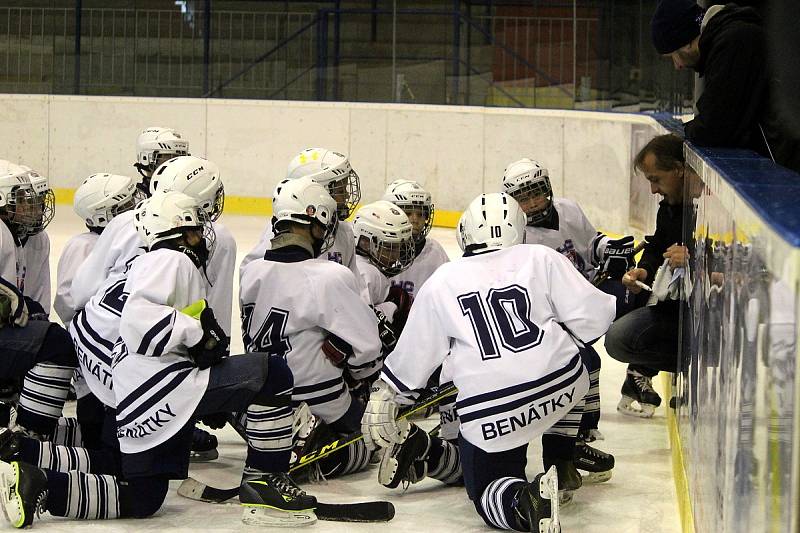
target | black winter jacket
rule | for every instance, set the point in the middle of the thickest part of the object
(737, 94)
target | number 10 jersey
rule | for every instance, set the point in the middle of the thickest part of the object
(502, 322)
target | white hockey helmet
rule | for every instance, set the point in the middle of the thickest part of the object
(492, 221)
(526, 179)
(384, 235)
(103, 196)
(304, 201)
(168, 215)
(26, 198)
(194, 176)
(155, 145)
(331, 170)
(415, 201)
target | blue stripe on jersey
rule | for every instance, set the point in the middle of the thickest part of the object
(89, 345)
(160, 326)
(154, 399)
(321, 399)
(306, 389)
(150, 383)
(107, 344)
(515, 404)
(522, 387)
(399, 385)
(358, 367)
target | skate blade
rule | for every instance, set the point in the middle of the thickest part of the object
(596, 477)
(271, 517)
(13, 511)
(203, 457)
(628, 406)
(548, 488)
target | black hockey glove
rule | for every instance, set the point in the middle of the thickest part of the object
(215, 420)
(403, 300)
(213, 347)
(386, 333)
(618, 257)
(336, 350)
(35, 310)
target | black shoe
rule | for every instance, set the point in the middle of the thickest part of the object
(598, 465)
(638, 388)
(406, 462)
(536, 505)
(204, 446)
(23, 489)
(10, 442)
(273, 499)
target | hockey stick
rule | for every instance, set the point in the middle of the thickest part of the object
(435, 396)
(377, 511)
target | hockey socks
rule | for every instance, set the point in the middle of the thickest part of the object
(66, 458)
(44, 391)
(444, 462)
(496, 505)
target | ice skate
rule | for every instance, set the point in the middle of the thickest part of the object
(405, 463)
(638, 396)
(536, 504)
(569, 479)
(204, 446)
(274, 500)
(23, 489)
(596, 465)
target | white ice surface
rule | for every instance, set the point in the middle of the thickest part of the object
(640, 497)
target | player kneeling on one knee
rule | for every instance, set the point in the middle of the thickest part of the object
(500, 314)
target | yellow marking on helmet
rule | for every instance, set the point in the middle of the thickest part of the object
(303, 158)
(314, 155)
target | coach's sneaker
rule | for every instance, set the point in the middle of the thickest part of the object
(638, 396)
(536, 504)
(273, 499)
(569, 479)
(23, 492)
(204, 446)
(596, 465)
(406, 462)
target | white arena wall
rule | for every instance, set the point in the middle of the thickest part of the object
(456, 152)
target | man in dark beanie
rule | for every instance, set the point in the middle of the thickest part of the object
(726, 45)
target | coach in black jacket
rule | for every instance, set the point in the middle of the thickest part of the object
(727, 47)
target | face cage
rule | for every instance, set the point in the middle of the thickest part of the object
(209, 235)
(127, 205)
(350, 188)
(37, 213)
(330, 234)
(219, 204)
(382, 255)
(427, 212)
(533, 189)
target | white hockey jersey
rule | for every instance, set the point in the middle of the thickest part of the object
(496, 321)
(120, 244)
(431, 257)
(156, 386)
(343, 252)
(576, 238)
(74, 254)
(27, 266)
(289, 308)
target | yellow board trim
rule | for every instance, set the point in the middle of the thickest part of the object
(678, 466)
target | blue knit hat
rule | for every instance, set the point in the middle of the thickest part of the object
(675, 24)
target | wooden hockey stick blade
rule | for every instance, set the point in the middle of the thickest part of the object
(377, 511)
(343, 442)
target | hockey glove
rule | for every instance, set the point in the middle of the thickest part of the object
(12, 305)
(35, 310)
(618, 257)
(403, 300)
(379, 425)
(336, 350)
(386, 333)
(213, 347)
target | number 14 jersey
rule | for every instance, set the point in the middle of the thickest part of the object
(499, 321)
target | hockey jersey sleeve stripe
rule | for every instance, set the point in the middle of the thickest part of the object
(320, 399)
(522, 387)
(151, 383)
(160, 326)
(159, 349)
(515, 404)
(306, 389)
(154, 399)
(399, 385)
(365, 365)
(86, 344)
(108, 345)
